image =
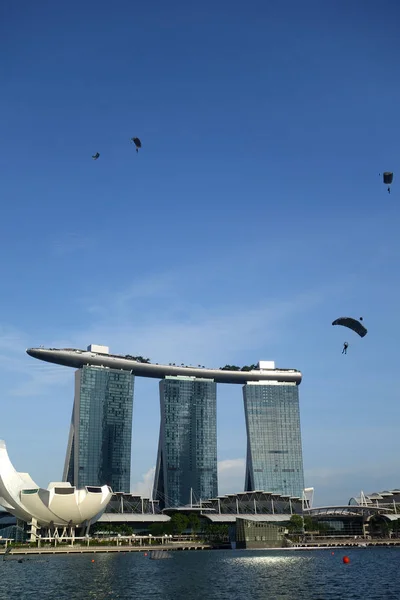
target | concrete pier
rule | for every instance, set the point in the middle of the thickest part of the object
(76, 549)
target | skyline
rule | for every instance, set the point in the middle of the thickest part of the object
(235, 468)
(187, 447)
(252, 217)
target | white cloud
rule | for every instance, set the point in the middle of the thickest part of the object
(231, 465)
(154, 286)
(199, 336)
(33, 376)
(337, 485)
(11, 340)
(150, 318)
(144, 487)
(231, 476)
(40, 378)
(332, 486)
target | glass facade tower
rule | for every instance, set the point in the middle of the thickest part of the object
(99, 444)
(186, 467)
(274, 453)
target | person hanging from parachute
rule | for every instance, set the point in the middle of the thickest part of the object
(137, 142)
(388, 179)
(353, 324)
(96, 156)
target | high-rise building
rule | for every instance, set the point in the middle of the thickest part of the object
(186, 467)
(274, 453)
(99, 443)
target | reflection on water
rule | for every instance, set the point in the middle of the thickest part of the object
(207, 575)
(270, 560)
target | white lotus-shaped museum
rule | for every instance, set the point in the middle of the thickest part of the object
(60, 505)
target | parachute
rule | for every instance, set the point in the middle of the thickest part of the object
(352, 324)
(96, 156)
(387, 179)
(137, 143)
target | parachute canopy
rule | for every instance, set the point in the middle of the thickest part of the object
(387, 178)
(351, 324)
(137, 142)
(96, 156)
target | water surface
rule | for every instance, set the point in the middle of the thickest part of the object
(207, 575)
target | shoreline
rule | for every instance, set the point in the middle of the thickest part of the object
(61, 549)
(64, 549)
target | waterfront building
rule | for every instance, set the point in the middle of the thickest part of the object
(259, 534)
(274, 453)
(99, 443)
(60, 506)
(274, 460)
(96, 356)
(186, 467)
(389, 499)
(139, 512)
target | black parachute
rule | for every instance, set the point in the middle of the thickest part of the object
(352, 324)
(137, 143)
(388, 179)
(96, 156)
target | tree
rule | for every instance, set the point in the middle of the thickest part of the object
(216, 532)
(309, 524)
(396, 525)
(386, 527)
(194, 522)
(179, 523)
(156, 529)
(296, 523)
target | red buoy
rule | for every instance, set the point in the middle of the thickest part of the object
(346, 560)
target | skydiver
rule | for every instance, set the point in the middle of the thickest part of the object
(389, 190)
(137, 142)
(345, 346)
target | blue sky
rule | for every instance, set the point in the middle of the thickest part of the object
(252, 217)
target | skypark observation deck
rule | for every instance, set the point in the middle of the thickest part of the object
(76, 358)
